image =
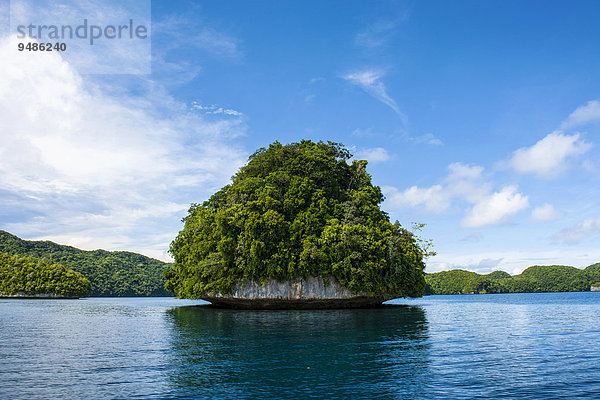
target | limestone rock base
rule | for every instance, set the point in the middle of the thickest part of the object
(310, 293)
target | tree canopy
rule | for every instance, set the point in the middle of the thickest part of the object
(28, 276)
(294, 211)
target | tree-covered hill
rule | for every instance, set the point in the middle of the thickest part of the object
(593, 274)
(498, 275)
(111, 273)
(548, 278)
(460, 281)
(296, 211)
(30, 276)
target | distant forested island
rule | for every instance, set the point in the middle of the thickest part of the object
(549, 278)
(110, 273)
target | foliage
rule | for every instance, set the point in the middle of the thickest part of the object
(23, 275)
(498, 275)
(461, 282)
(111, 274)
(295, 211)
(593, 274)
(549, 278)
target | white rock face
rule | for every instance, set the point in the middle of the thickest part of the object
(313, 292)
(311, 288)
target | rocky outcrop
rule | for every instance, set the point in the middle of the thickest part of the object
(310, 293)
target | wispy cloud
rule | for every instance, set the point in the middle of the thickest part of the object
(585, 114)
(579, 231)
(376, 34)
(428, 138)
(474, 237)
(174, 32)
(216, 110)
(549, 156)
(217, 43)
(171, 35)
(369, 80)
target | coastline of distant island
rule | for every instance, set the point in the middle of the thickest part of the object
(535, 279)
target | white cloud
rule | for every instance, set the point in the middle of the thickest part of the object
(466, 182)
(360, 132)
(374, 155)
(376, 34)
(106, 171)
(463, 181)
(587, 113)
(217, 43)
(548, 156)
(428, 138)
(545, 212)
(370, 81)
(496, 208)
(433, 199)
(579, 231)
(309, 98)
(176, 31)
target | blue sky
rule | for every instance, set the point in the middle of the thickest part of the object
(480, 119)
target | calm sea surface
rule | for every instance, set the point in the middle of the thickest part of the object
(518, 346)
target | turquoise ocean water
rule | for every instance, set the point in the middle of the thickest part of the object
(517, 346)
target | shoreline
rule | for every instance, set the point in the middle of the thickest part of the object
(41, 296)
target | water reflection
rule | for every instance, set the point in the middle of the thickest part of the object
(377, 353)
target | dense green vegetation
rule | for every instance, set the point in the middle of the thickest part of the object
(117, 273)
(593, 272)
(27, 276)
(295, 211)
(550, 278)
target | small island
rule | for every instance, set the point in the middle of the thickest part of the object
(299, 227)
(30, 277)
